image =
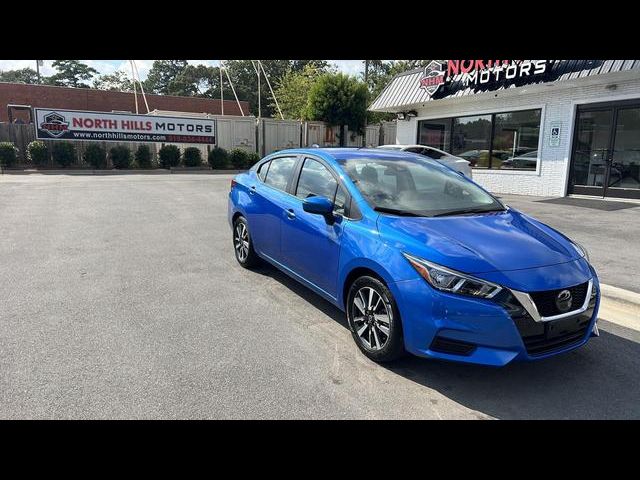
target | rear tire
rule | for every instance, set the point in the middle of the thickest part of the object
(374, 320)
(243, 245)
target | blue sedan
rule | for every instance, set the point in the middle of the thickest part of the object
(420, 258)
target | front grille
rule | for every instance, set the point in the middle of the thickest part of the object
(540, 345)
(540, 338)
(546, 301)
(544, 337)
(453, 347)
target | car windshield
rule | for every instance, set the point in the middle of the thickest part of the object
(416, 186)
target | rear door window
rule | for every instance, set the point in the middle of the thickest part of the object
(262, 170)
(280, 172)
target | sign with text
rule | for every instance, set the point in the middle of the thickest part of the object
(479, 72)
(56, 124)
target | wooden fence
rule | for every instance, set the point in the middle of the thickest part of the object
(264, 137)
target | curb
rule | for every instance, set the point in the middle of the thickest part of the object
(620, 295)
(620, 306)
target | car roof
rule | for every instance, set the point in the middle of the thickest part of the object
(345, 153)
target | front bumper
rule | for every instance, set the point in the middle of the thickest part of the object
(464, 329)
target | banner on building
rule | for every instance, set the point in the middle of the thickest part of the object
(56, 124)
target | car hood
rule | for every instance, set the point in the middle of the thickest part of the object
(479, 243)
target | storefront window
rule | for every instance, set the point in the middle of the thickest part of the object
(472, 138)
(515, 140)
(514, 144)
(435, 133)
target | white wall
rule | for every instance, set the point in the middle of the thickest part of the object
(558, 103)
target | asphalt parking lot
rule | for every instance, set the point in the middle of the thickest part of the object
(121, 298)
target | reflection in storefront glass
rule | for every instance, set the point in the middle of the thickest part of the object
(625, 167)
(515, 140)
(435, 133)
(471, 139)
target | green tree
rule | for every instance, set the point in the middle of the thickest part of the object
(200, 81)
(118, 81)
(300, 65)
(339, 99)
(162, 74)
(245, 80)
(293, 91)
(22, 75)
(71, 73)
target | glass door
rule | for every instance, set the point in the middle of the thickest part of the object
(606, 151)
(624, 170)
(592, 144)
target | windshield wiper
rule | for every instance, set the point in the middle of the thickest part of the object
(468, 210)
(394, 211)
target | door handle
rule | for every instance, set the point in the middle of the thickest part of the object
(291, 214)
(252, 190)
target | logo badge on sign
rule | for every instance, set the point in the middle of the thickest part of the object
(432, 77)
(54, 124)
(564, 300)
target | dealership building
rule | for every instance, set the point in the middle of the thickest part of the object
(531, 127)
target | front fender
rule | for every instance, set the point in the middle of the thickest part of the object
(362, 247)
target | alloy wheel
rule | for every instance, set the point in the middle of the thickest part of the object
(371, 318)
(241, 241)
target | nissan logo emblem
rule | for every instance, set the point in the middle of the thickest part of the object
(563, 301)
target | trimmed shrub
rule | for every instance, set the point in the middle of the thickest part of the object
(192, 157)
(64, 153)
(38, 153)
(169, 156)
(218, 157)
(95, 155)
(239, 158)
(8, 154)
(252, 159)
(120, 156)
(143, 157)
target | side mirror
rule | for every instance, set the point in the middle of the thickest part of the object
(318, 205)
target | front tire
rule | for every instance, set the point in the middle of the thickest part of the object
(374, 320)
(243, 245)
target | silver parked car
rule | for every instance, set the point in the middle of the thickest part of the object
(449, 160)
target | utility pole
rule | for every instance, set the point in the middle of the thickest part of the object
(253, 63)
(221, 93)
(39, 63)
(366, 72)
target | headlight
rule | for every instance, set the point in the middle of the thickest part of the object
(581, 250)
(451, 281)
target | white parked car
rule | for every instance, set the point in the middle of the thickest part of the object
(449, 160)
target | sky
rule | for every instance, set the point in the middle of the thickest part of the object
(352, 67)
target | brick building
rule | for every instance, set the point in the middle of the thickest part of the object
(46, 96)
(532, 127)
